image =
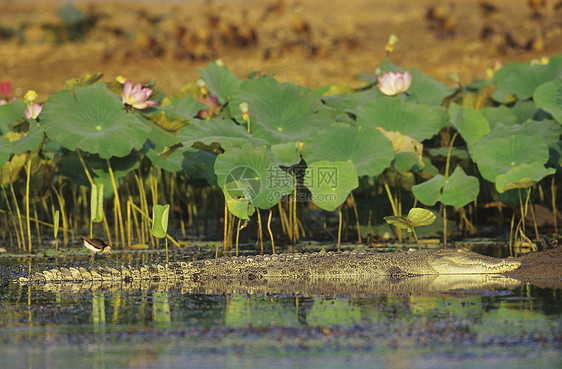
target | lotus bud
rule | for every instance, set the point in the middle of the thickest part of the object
(392, 40)
(5, 89)
(244, 109)
(202, 85)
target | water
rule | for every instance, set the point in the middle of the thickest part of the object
(515, 326)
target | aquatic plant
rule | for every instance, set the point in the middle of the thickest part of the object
(224, 148)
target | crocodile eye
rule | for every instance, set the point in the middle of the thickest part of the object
(396, 273)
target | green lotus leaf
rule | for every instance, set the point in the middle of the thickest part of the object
(429, 192)
(160, 215)
(31, 140)
(241, 208)
(175, 113)
(330, 182)
(470, 123)
(10, 113)
(221, 82)
(522, 176)
(367, 148)
(93, 120)
(6, 150)
(418, 121)
(460, 189)
(286, 154)
(404, 161)
(548, 96)
(157, 141)
(417, 217)
(251, 173)
(498, 155)
(521, 80)
(499, 114)
(96, 203)
(224, 134)
(121, 167)
(352, 100)
(199, 165)
(279, 112)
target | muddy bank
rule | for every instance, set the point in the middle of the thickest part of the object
(542, 269)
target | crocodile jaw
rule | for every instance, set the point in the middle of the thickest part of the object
(467, 262)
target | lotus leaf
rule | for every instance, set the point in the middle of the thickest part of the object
(499, 114)
(404, 144)
(225, 133)
(6, 150)
(160, 215)
(157, 141)
(175, 113)
(199, 165)
(521, 80)
(30, 141)
(522, 176)
(330, 182)
(548, 96)
(470, 123)
(221, 82)
(404, 161)
(10, 113)
(250, 173)
(417, 217)
(279, 112)
(286, 154)
(418, 121)
(460, 189)
(365, 147)
(96, 203)
(351, 101)
(498, 155)
(93, 120)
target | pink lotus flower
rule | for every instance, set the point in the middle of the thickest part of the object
(393, 83)
(32, 111)
(5, 89)
(5, 92)
(137, 97)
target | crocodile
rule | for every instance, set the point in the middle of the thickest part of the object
(306, 266)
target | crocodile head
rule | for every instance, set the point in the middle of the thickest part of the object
(467, 262)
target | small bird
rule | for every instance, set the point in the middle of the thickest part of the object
(95, 245)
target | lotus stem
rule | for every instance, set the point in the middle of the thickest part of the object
(444, 226)
(534, 222)
(270, 233)
(16, 205)
(225, 229)
(339, 227)
(11, 216)
(260, 231)
(511, 241)
(554, 209)
(358, 225)
(117, 206)
(85, 167)
(237, 235)
(63, 215)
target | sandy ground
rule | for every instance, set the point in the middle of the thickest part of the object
(310, 42)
